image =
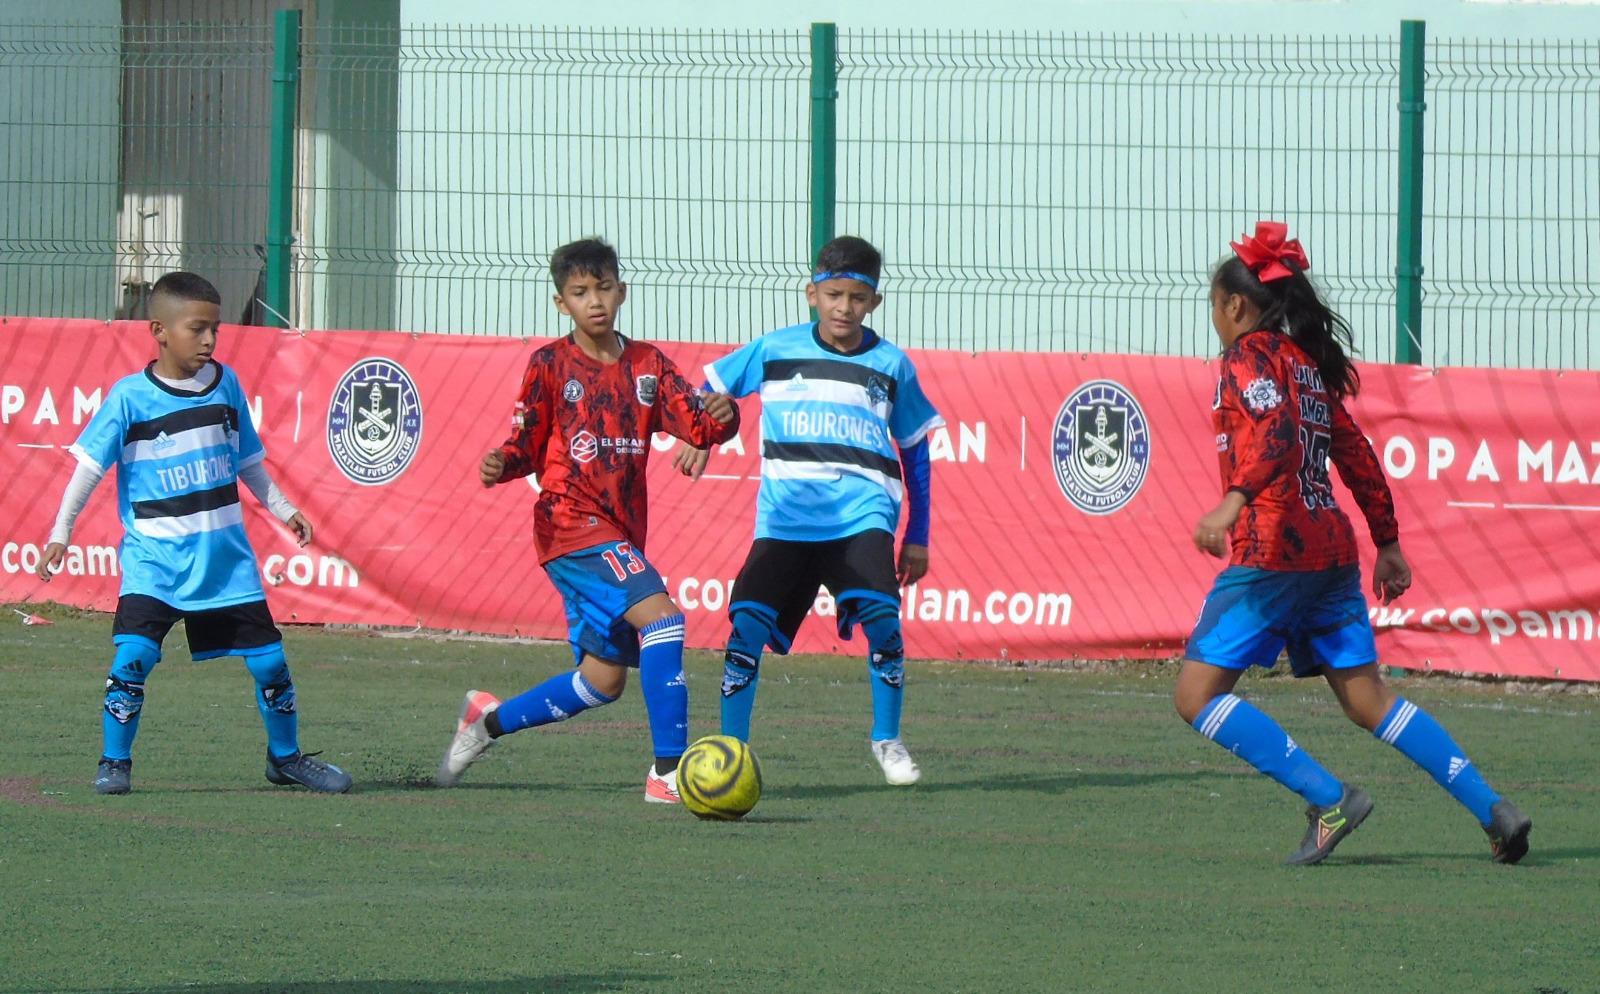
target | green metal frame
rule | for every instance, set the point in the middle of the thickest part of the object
(824, 133)
(280, 195)
(1408, 249)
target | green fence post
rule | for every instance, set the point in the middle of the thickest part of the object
(824, 132)
(1408, 261)
(280, 193)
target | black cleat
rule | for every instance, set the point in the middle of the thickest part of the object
(313, 774)
(114, 776)
(1330, 825)
(1508, 831)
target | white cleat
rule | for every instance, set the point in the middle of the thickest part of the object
(898, 766)
(471, 739)
(659, 789)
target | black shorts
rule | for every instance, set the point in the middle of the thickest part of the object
(780, 580)
(239, 630)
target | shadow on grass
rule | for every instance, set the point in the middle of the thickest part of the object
(1049, 783)
(578, 983)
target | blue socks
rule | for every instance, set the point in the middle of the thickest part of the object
(557, 699)
(886, 661)
(275, 699)
(119, 721)
(1425, 742)
(666, 695)
(1250, 733)
(741, 672)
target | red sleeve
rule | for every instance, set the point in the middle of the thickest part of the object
(1263, 431)
(681, 412)
(1359, 469)
(530, 424)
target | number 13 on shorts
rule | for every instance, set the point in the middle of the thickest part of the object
(623, 561)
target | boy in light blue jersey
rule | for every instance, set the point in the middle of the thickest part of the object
(844, 429)
(180, 435)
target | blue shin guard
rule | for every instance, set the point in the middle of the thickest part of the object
(666, 695)
(556, 699)
(1250, 733)
(886, 662)
(275, 699)
(119, 720)
(1424, 741)
(741, 672)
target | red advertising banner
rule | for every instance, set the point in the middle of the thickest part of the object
(1065, 491)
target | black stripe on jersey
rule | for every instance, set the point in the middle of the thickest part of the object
(177, 507)
(827, 369)
(831, 452)
(190, 417)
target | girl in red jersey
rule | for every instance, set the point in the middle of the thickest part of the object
(1293, 581)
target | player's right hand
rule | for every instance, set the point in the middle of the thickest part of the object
(492, 468)
(720, 407)
(50, 561)
(690, 461)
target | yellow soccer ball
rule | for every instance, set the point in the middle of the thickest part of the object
(719, 778)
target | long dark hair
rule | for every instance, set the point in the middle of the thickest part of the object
(1291, 304)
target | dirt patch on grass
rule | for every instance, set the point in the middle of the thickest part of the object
(26, 790)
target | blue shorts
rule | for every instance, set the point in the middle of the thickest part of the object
(1252, 615)
(598, 585)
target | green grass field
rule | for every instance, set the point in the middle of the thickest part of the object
(1069, 834)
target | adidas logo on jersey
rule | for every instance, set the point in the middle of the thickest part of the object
(797, 384)
(1457, 764)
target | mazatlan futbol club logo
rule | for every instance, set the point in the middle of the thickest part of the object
(374, 421)
(1101, 447)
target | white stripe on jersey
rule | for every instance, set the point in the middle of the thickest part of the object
(177, 444)
(215, 519)
(797, 469)
(824, 391)
(934, 422)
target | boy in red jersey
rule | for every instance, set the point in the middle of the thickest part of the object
(1294, 581)
(583, 420)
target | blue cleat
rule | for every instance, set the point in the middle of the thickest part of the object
(113, 776)
(313, 774)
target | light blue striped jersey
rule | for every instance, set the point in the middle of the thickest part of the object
(830, 422)
(178, 454)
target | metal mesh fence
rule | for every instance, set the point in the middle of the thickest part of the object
(1030, 191)
(492, 146)
(1055, 192)
(1512, 224)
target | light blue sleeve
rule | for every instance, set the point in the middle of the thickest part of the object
(251, 451)
(100, 442)
(739, 373)
(914, 414)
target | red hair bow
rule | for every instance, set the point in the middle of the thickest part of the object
(1265, 252)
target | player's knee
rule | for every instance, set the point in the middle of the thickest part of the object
(134, 661)
(1363, 713)
(1188, 703)
(607, 679)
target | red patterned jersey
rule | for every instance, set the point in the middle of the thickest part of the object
(1277, 428)
(583, 428)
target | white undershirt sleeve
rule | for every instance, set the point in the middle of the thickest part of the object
(85, 478)
(255, 477)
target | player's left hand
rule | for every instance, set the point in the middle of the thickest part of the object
(720, 407)
(913, 564)
(690, 461)
(301, 528)
(1391, 576)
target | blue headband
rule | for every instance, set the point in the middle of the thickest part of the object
(823, 277)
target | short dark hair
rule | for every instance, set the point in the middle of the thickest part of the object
(849, 254)
(186, 286)
(588, 256)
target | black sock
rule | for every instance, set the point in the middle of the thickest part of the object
(491, 724)
(665, 765)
